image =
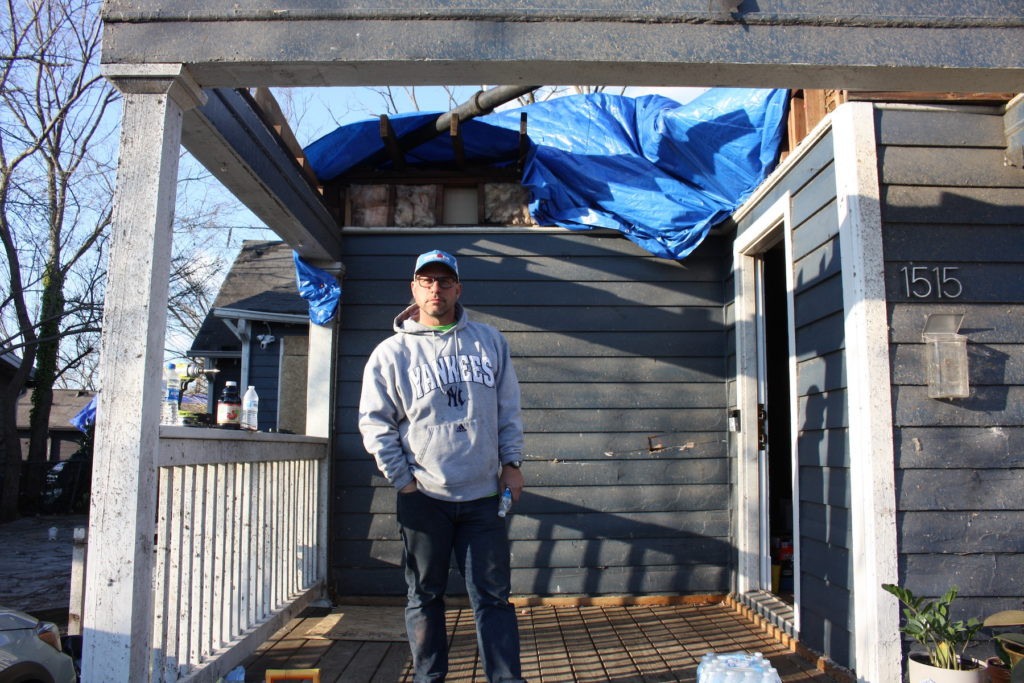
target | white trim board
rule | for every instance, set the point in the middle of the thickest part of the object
(869, 397)
(773, 223)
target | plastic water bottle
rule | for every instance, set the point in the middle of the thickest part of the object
(172, 392)
(505, 504)
(250, 409)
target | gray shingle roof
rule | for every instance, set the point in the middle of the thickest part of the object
(261, 280)
(66, 404)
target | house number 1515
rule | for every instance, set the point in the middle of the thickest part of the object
(921, 282)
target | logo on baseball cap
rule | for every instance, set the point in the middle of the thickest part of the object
(438, 256)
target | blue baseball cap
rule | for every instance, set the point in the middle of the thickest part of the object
(437, 256)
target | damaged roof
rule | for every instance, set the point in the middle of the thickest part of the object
(660, 172)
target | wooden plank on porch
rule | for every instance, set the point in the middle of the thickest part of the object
(623, 643)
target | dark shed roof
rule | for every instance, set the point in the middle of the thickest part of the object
(261, 280)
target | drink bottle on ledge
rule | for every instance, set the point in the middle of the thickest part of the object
(172, 392)
(229, 406)
(250, 409)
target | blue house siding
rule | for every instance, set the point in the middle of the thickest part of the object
(822, 418)
(620, 356)
(265, 368)
(951, 203)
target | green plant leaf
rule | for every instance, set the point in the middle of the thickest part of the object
(1009, 617)
(928, 622)
(1015, 638)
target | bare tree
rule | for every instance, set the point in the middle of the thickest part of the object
(54, 205)
(58, 135)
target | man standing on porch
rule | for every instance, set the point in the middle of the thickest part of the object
(439, 411)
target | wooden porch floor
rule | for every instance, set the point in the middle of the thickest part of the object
(559, 644)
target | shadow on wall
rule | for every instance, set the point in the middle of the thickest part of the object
(621, 358)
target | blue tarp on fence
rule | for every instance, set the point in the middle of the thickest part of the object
(660, 172)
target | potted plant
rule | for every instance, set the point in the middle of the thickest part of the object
(929, 623)
(1009, 646)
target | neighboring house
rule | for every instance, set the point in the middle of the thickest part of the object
(64, 438)
(256, 333)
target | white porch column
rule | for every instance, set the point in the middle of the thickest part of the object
(872, 470)
(118, 619)
(322, 364)
(320, 375)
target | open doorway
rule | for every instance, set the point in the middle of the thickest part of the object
(768, 534)
(776, 419)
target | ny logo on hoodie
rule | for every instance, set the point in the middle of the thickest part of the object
(456, 400)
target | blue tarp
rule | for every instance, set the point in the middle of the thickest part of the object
(86, 416)
(660, 172)
(319, 288)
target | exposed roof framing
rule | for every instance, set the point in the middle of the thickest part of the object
(480, 104)
(230, 138)
(396, 146)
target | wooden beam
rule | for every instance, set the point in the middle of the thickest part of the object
(878, 45)
(928, 97)
(473, 173)
(524, 145)
(270, 112)
(229, 137)
(458, 145)
(394, 150)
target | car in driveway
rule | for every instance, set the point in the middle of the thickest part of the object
(30, 650)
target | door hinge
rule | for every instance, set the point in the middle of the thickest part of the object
(762, 427)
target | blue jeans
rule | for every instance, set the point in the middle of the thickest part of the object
(431, 530)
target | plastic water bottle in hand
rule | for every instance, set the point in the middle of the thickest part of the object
(505, 504)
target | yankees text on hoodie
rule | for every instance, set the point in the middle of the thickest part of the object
(442, 407)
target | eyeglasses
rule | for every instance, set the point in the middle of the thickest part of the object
(426, 281)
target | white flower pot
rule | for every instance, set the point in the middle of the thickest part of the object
(919, 671)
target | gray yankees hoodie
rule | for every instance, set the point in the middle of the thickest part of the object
(442, 407)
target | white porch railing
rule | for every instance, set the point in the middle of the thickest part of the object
(239, 544)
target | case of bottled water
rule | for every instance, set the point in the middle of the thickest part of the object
(736, 667)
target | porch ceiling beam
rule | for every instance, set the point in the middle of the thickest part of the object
(228, 136)
(391, 144)
(877, 45)
(458, 145)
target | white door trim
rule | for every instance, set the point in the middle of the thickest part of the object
(750, 502)
(869, 399)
